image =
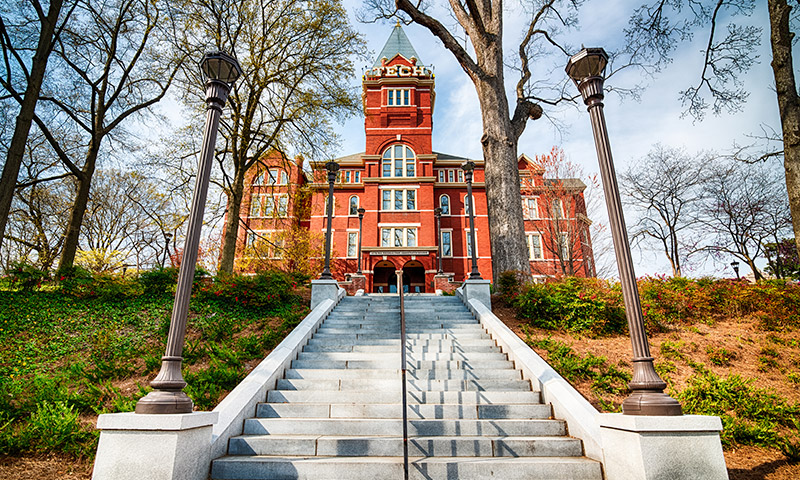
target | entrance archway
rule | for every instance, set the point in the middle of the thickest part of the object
(384, 280)
(413, 277)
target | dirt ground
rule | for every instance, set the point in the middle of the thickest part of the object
(740, 337)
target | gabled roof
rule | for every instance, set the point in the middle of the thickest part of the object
(397, 44)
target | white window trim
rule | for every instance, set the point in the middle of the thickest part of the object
(464, 202)
(527, 208)
(466, 241)
(390, 91)
(358, 204)
(355, 245)
(275, 205)
(392, 229)
(449, 205)
(531, 254)
(392, 160)
(450, 231)
(405, 200)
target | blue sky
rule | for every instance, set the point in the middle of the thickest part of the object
(634, 126)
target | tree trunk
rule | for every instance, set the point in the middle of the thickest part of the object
(16, 150)
(84, 181)
(788, 104)
(506, 227)
(232, 223)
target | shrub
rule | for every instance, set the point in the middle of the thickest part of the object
(81, 283)
(24, 276)
(510, 283)
(750, 415)
(159, 281)
(265, 290)
(575, 304)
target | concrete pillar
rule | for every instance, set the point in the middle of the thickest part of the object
(322, 290)
(477, 289)
(662, 447)
(156, 447)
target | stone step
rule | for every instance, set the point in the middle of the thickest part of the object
(392, 446)
(410, 356)
(333, 340)
(323, 347)
(394, 374)
(419, 411)
(355, 322)
(259, 467)
(411, 364)
(412, 385)
(350, 336)
(392, 426)
(441, 397)
(395, 330)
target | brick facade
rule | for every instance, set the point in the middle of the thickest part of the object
(399, 180)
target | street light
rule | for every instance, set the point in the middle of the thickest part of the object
(361, 213)
(469, 167)
(647, 397)
(220, 71)
(735, 266)
(167, 238)
(332, 168)
(438, 213)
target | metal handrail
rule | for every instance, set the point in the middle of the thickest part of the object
(399, 274)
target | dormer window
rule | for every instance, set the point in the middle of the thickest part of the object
(398, 97)
(399, 161)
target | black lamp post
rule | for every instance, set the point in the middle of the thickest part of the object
(167, 238)
(438, 213)
(220, 71)
(469, 168)
(735, 266)
(361, 213)
(332, 168)
(647, 397)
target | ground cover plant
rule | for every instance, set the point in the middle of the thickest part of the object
(84, 344)
(725, 348)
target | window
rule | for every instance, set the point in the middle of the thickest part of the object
(269, 205)
(398, 97)
(273, 176)
(451, 175)
(466, 205)
(563, 246)
(399, 161)
(530, 207)
(353, 205)
(534, 246)
(398, 237)
(399, 199)
(469, 242)
(352, 244)
(444, 203)
(447, 243)
(325, 207)
(558, 208)
(269, 244)
(351, 176)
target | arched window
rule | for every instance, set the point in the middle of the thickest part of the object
(353, 205)
(444, 203)
(466, 205)
(399, 161)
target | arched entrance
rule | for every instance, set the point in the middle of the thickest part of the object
(384, 280)
(413, 277)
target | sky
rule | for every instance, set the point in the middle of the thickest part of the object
(634, 126)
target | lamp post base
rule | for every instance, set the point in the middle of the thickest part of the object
(651, 403)
(165, 402)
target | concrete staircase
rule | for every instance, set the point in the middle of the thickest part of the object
(337, 414)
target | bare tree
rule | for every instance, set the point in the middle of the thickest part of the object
(665, 190)
(297, 62)
(21, 81)
(744, 209)
(657, 28)
(112, 63)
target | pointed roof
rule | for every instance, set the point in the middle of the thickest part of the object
(397, 44)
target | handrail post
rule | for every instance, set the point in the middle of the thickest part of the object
(399, 274)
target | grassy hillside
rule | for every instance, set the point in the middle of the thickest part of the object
(86, 345)
(724, 348)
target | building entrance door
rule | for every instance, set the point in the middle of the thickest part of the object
(414, 277)
(384, 280)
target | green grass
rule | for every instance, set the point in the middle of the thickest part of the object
(61, 358)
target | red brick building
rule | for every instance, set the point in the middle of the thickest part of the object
(399, 180)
